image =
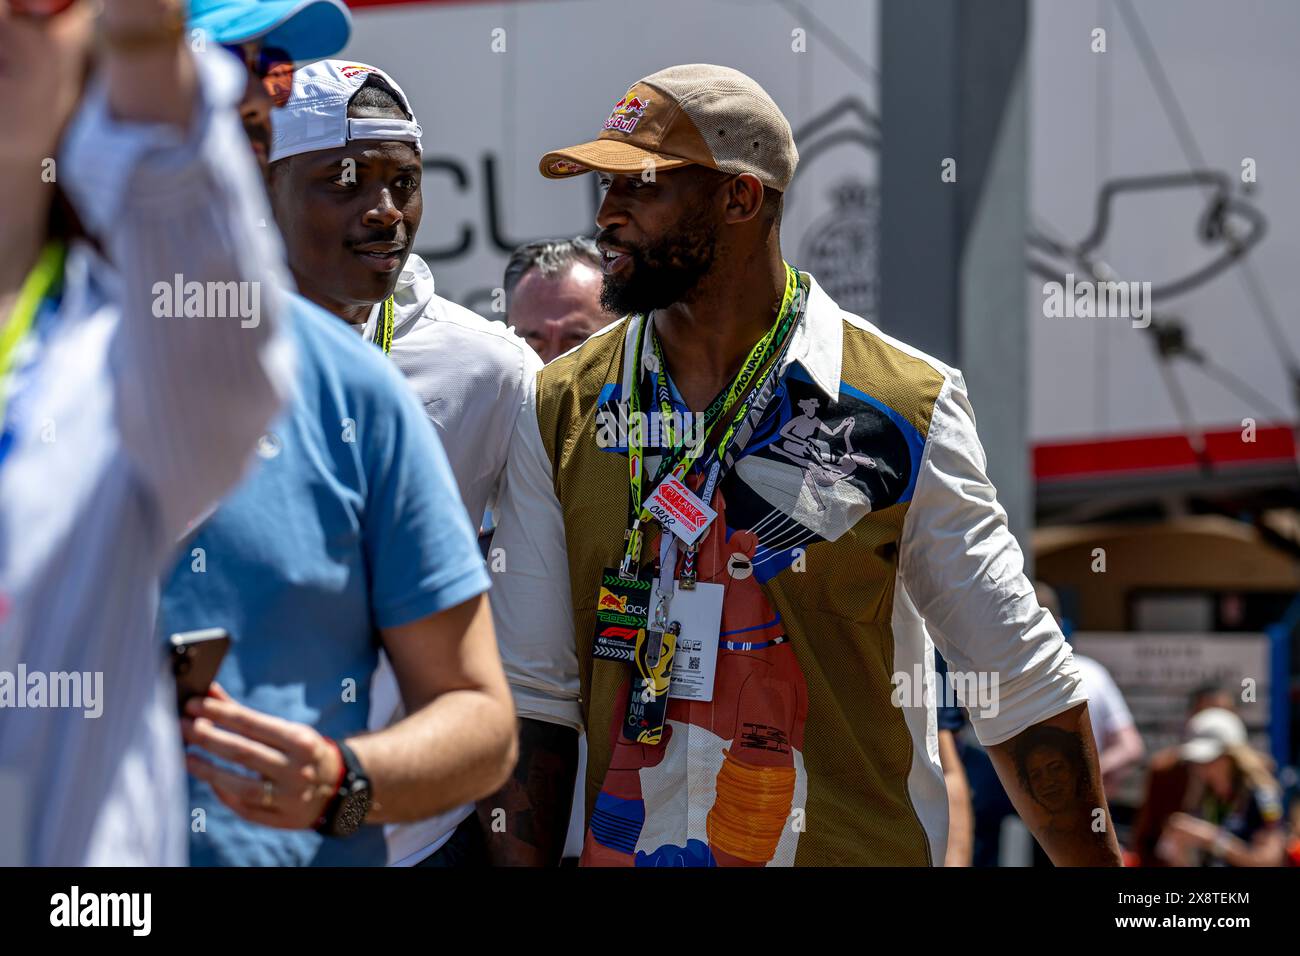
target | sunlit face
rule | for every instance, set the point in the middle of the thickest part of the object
(659, 237)
(42, 68)
(1051, 780)
(555, 313)
(349, 218)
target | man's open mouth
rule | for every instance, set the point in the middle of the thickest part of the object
(612, 259)
(380, 256)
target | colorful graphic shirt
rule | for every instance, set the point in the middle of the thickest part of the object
(857, 531)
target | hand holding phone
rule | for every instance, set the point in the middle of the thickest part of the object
(196, 658)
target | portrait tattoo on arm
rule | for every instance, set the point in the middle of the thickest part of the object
(1050, 772)
(1054, 771)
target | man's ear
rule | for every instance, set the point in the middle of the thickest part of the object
(744, 198)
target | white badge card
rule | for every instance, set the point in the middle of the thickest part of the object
(680, 510)
(695, 661)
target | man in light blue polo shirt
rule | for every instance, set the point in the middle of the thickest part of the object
(349, 535)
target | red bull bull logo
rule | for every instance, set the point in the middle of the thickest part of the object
(627, 113)
(609, 601)
(565, 167)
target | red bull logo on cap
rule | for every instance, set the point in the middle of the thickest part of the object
(627, 113)
(565, 167)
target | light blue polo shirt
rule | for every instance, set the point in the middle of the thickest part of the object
(349, 522)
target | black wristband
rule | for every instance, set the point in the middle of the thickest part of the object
(347, 809)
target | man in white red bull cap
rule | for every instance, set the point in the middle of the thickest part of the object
(345, 186)
(348, 537)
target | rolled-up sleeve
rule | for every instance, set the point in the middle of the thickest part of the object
(964, 571)
(531, 603)
(198, 366)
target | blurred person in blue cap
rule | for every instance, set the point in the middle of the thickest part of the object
(348, 537)
(271, 37)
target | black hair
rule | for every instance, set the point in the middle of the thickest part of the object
(376, 94)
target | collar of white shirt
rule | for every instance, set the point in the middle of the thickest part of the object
(816, 344)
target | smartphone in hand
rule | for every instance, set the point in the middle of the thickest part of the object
(196, 658)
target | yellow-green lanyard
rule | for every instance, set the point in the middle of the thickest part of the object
(39, 282)
(763, 350)
(384, 329)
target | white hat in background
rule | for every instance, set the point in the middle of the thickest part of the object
(1210, 733)
(316, 114)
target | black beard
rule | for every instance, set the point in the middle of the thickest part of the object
(663, 272)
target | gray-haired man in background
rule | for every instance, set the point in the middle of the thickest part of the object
(553, 294)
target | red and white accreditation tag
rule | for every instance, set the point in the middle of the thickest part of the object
(679, 510)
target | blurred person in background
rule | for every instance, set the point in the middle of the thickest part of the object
(1168, 775)
(1233, 806)
(345, 182)
(1119, 745)
(348, 536)
(553, 294)
(552, 291)
(123, 421)
(961, 811)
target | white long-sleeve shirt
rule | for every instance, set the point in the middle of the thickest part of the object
(130, 425)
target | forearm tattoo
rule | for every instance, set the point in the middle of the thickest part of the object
(1055, 772)
(525, 822)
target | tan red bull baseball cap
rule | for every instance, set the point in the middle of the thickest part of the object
(698, 114)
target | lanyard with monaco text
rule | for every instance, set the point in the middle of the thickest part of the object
(41, 283)
(384, 328)
(766, 353)
(652, 617)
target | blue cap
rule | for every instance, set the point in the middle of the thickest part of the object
(305, 29)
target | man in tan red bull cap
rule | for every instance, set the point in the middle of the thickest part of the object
(795, 506)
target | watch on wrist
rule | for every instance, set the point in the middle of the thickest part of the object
(347, 809)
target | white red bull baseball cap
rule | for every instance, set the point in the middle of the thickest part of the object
(315, 117)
